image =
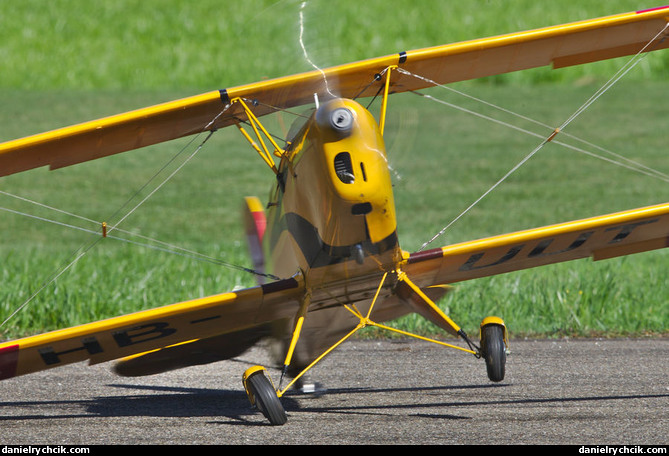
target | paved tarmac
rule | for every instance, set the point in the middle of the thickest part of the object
(576, 392)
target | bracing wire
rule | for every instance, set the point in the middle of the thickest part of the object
(82, 251)
(631, 63)
(169, 177)
(151, 243)
(617, 159)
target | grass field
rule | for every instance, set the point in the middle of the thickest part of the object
(69, 61)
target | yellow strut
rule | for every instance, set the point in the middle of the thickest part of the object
(384, 102)
(364, 322)
(258, 128)
(404, 278)
(298, 328)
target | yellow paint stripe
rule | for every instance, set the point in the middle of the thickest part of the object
(139, 355)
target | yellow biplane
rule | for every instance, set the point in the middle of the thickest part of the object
(326, 241)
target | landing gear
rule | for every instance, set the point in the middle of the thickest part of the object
(493, 347)
(262, 394)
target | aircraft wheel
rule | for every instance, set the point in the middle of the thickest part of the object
(493, 351)
(262, 394)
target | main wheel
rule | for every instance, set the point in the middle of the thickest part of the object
(493, 350)
(266, 399)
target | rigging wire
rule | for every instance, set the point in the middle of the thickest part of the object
(631, 63)
(87, 247)
(161, 245)
(53, 277)
(169, 162)
(619, 160)
(623, 162)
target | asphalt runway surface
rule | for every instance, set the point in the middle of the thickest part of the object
(575, 392)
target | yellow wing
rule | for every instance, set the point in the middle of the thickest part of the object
(563, 45)
(602, 237)
(152, 329)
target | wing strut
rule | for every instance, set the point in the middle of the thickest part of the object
(427, 308)
(384, 102)
(262, 150)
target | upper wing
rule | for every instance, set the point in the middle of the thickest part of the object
(563, 45)
(601, 237)
(152, 329)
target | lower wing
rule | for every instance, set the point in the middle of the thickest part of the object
(153, 329)
(603, 237)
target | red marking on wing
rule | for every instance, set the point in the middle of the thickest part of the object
(9, 357)
(652, 9)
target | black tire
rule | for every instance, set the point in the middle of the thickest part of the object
(493, 351)
(266, 399)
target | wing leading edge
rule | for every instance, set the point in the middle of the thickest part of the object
(563, 45)
(153, 329)
(603, 237)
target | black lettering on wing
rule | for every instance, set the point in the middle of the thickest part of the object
(143, 333)
(540, 249)
(51, 357)
(470, 264)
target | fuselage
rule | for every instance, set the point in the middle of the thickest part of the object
(331, 214)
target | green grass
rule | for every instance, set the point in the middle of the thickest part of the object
(210, 44)
(70, 61)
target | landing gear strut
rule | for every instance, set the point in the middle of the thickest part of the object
(493, 350)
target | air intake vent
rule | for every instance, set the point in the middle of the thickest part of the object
(344, 168)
